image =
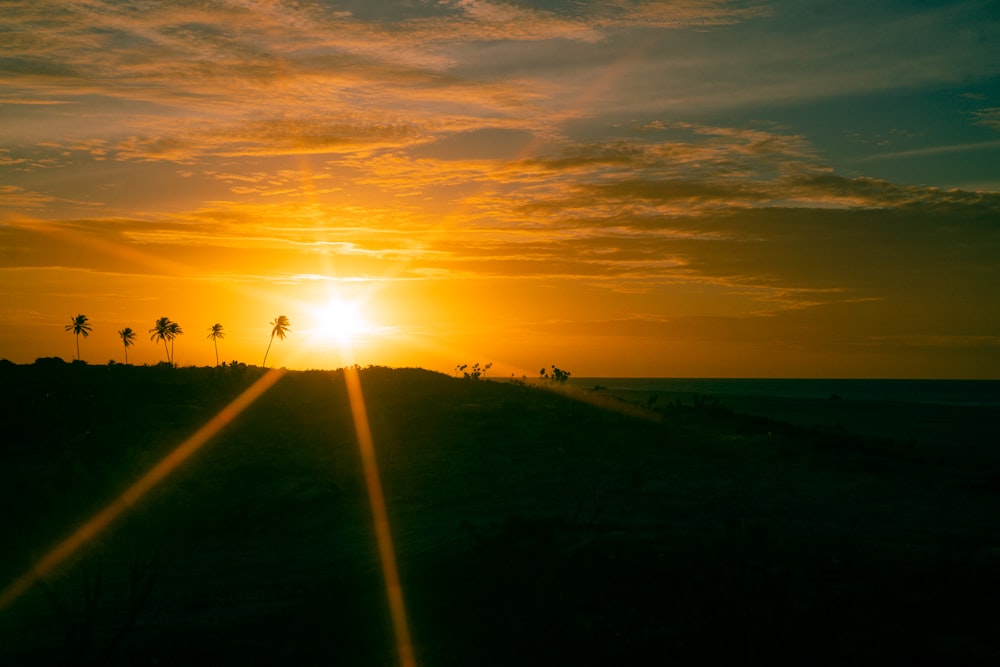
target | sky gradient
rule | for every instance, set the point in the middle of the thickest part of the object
(697, 188)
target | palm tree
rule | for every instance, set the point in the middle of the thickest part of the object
(161, 331)
(128, 338)
(280, 330)
(215, 333)
(78, 325)
(174, 330)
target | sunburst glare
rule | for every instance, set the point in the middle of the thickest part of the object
(338, 321)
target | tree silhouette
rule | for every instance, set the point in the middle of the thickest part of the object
(128, 339)
(161, 331)
(78, 325)
(280, 330)
(173, 331)
(215, 333)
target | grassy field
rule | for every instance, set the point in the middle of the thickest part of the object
(531, 526)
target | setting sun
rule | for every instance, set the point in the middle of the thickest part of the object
(338, 321)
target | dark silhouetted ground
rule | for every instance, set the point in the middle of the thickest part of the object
(532, 527)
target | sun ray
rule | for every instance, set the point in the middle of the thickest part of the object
(380, 518)
(100, 521)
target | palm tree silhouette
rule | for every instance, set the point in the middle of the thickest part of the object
(173, 331)
(78, 325)
(215, 333)
(280, 330)
(161, 331)
(128, 338)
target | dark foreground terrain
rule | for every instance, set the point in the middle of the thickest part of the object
(530, 526)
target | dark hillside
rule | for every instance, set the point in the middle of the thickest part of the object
(531, 527)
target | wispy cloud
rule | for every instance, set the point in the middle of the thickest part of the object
(29, 102)
(990, 117)
(239, 78)
(933, 150)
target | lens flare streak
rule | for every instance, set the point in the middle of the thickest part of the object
(380, 518)
(140, 488)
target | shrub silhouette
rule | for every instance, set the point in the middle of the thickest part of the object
(475, 372)
(558, 376)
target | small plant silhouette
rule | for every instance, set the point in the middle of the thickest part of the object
(475, 372)
(559, 376)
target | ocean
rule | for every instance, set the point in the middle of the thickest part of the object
(944, 411)
(939, 392)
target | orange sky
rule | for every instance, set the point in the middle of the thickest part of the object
(632, 188)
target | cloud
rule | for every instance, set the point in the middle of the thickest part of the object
(934, 150)
(30, 102)
(585, 21)
(265, 137)
(17, 198)
(739, 210)
(481, 20)
(803, 53)
(239, 78)
(990, 117)
(192, 82)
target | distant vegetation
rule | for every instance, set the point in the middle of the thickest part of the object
(473, 373)
(558, 375)
(166, 331)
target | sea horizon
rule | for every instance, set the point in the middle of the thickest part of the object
(932, 391)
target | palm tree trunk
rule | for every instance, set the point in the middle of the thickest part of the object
(167, 349)
(78, 347)
(126, 355)
(214, 340)
(268, 350)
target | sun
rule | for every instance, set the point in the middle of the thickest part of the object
(339, 321)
